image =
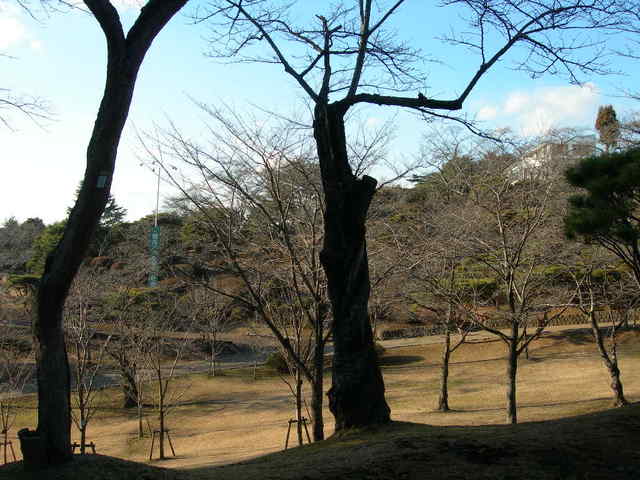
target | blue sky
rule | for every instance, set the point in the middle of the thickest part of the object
(62, 58)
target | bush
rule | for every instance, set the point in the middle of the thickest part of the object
(277, 362)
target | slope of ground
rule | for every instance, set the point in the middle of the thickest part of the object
(595, 446)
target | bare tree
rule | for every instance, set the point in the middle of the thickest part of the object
(450, 302)
(81, 328)
(125, 53)
(602, 297)
(510, 233)
(346, 56)
(210, 315)
(16, 370)
(434, 264)
(258, 198)
(163, 346)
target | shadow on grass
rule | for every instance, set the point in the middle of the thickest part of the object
(388, 360)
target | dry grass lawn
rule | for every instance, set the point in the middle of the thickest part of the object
(233, 417)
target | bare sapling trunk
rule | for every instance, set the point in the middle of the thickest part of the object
(443, 398)
(512, 372)
(356, 397)
(161, 413)
(317, 387)
(213, 356)
(299, 415)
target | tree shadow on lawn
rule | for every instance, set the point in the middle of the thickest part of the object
(539, 405)
(388, 360)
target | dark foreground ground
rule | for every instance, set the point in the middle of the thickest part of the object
(603, 445)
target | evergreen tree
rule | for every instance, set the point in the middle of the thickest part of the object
(608, 127)
(606, 212)
(43, 245)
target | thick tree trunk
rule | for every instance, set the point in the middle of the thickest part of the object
(512, 372)
(443, 399)
(356, 397)
(54, 392)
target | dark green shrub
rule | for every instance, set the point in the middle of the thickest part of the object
(277, 362)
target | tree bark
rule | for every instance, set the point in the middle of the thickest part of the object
(124, 57)
(443, 399)
(356, 397)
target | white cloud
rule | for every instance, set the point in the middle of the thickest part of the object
(12, 32)
(537, 111)
(488, 112)
(373, 122)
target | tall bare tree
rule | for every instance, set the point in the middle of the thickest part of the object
(125, 53)
(346, 56)
(258, 199)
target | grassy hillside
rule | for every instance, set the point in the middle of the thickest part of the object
(595, 446)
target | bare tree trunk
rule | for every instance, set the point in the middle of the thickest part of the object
(212, 358)
(129, 393)
(129, 386)
(443, 399)
(610, 361)
(299, 406)
(161, 421)
(5, 434)
(83, 436)
(140, 426)
(317, 388)
(356, 397)
(512, 372)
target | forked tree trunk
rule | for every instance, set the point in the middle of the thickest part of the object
(610, 362)
(356, 397)
(443, 399)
